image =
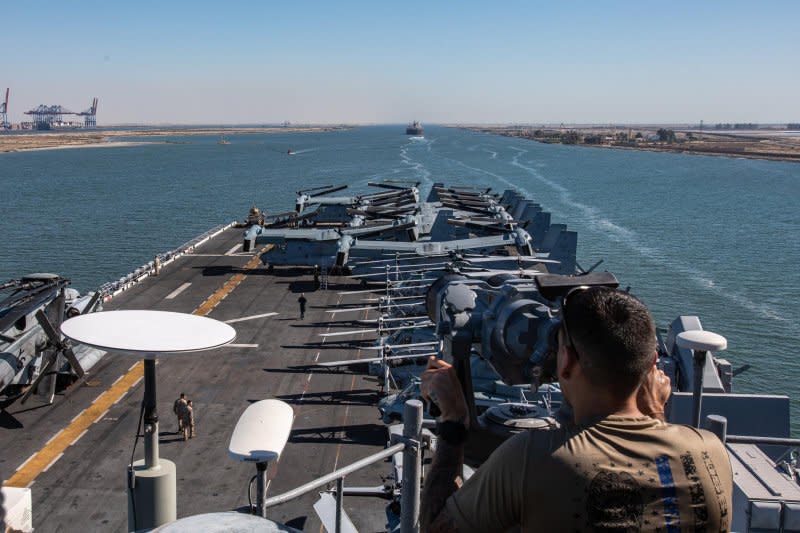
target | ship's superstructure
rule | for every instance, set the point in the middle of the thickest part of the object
(415, 128)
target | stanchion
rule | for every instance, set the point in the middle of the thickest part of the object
(412, 467)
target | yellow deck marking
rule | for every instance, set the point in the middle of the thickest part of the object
(54, 449)
(207, 306)
(47, 455)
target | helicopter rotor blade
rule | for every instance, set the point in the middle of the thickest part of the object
(330, 190)
(43, 371)
(92, 303)
(396, 346)
(63, 346)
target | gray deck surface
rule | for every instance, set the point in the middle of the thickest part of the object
(336, 421)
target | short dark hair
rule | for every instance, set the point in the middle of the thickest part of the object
(614, 336)
(183, 395)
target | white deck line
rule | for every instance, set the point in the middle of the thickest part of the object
(84, 432)
(28, 460)
(51, 439)
(229, 252)
(252, 317)
(59, 456)
(176, 292)
(242, 345)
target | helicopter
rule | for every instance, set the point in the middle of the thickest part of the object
(33, 355)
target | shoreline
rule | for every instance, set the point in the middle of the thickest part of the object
(713, 144)
(109, 144)
(38, 141)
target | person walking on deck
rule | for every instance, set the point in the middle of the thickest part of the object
(302, 301)
(188, 421)
(178, 408)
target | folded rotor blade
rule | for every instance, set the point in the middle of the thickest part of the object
(44, 370)
(62, 346)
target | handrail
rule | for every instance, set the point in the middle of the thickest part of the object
(336, 474)
(112, 288)
(718, 425)
(747, 439)
(410, 444)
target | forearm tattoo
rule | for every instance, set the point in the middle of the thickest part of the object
(440, 482)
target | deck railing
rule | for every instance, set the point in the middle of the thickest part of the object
(410, 444)
(112, 288)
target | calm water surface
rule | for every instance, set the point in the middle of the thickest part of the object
(715, 237)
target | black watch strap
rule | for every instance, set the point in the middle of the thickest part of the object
(453, 433)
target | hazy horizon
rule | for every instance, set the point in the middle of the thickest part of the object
(191, 63)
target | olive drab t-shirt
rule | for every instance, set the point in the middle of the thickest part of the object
(621, 474)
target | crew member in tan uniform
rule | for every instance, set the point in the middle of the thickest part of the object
(618, 466)
(178, 408)
(188, 421)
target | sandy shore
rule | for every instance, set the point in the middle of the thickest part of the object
(16, 142)
(749, 145)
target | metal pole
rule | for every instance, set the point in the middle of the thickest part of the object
(718, 425)
(412, 467)
(261, 489)
(336, 474)
(339, 503)
(697, 392)
(150, 414)
(772, 441)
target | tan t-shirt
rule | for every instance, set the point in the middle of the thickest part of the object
(622, 474)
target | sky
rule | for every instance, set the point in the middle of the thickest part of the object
(236, 62)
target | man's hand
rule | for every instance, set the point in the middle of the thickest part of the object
(440, 385)
(654, 393)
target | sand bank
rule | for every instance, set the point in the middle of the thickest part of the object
(17, 142)
(779, 146)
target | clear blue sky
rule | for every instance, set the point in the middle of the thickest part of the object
(379, 61)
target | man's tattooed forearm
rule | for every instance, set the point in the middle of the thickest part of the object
(440, 482)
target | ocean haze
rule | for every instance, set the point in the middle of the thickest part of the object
(711, 236)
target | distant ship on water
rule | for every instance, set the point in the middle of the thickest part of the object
(415, 129)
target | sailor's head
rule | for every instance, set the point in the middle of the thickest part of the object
(183, 395)
(607, 342)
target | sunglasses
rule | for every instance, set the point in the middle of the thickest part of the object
(564, 303)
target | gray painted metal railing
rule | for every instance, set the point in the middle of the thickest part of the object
(719, 426)
(410, 444)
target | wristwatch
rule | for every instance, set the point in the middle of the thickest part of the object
(453, 433)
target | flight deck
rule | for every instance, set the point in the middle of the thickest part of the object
(74, 453)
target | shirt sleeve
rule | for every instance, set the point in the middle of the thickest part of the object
(491, 500)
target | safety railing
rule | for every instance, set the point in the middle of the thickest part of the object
(410, 444)
(113, 288)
